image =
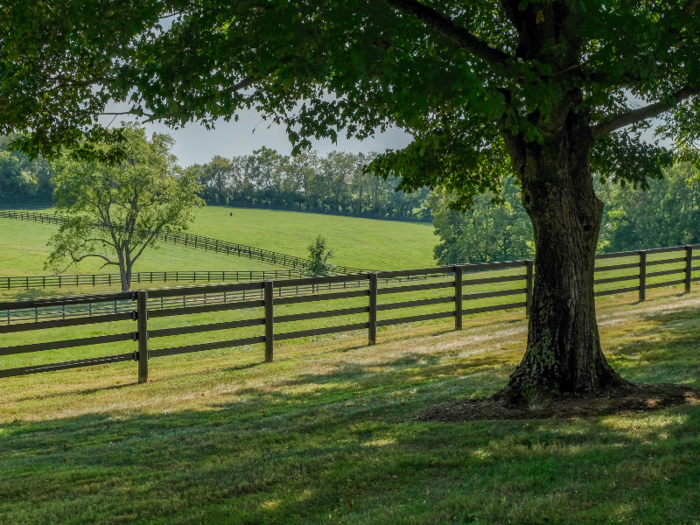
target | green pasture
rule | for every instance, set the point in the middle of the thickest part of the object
(24, 252)
(362, 243)
(325, 433)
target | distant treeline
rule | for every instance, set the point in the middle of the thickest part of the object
(667, 214)
(23, 181)
(334, 184)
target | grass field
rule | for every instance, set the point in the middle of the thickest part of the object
(24, 251)
(325, 434)
(363, 243)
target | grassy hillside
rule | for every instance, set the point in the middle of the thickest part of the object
(24, 251)
(326, 434)
(363, 243)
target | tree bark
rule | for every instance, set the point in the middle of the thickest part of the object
(563, 354)
(124, 271)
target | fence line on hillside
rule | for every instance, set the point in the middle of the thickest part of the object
(460, 278)
(190, 240)
(109, 279)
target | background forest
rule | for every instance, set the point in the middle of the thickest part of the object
(23, 181)
(333, 184)
(668, 214)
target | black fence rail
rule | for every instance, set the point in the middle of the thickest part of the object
(188, 298)
(197, 242)
(380, 294)
(113, 279)
(640, 275)
(264, 295)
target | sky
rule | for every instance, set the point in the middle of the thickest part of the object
(194, 144)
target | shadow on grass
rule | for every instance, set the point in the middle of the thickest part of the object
(345, 450)
(299, 462)
(408, 370)
(667, 352)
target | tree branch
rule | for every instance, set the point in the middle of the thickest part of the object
(244, 83)
(447, 28)
(117, 113)
(76, 260)
(145, 245)
(638, 115)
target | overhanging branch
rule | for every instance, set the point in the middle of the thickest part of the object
(447, 28)
(638, 115)
(244, 83)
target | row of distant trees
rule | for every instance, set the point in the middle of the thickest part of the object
(334, 184)
(667, 214)
(23, 181)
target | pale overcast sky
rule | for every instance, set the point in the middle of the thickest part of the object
(194, 144)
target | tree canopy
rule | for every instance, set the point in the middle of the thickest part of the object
(319, 253)
(488, 231)
(668, 214)
(115, 212)
(23, 181)
(456, 75)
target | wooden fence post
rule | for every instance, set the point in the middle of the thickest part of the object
(529, 282)
(269, 319)
(458, 297)
(373, 308)
(142, 326)
(688, 267)
(642, 275)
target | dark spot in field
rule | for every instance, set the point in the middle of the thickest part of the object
(623, 401)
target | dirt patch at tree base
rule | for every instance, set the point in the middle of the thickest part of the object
(634, 399)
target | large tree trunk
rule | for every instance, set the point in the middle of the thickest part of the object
(563, 353)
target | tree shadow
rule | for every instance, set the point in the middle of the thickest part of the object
(297, 459)
(347, 446)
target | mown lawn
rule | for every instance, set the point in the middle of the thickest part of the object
(325, 434)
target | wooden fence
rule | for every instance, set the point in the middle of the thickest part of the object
(460, 281)
(90, 309)
(197, 242)
(110, 279)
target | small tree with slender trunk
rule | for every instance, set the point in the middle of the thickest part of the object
(319, 253)
(114, 212)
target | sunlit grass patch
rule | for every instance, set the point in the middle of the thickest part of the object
(326, 434)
